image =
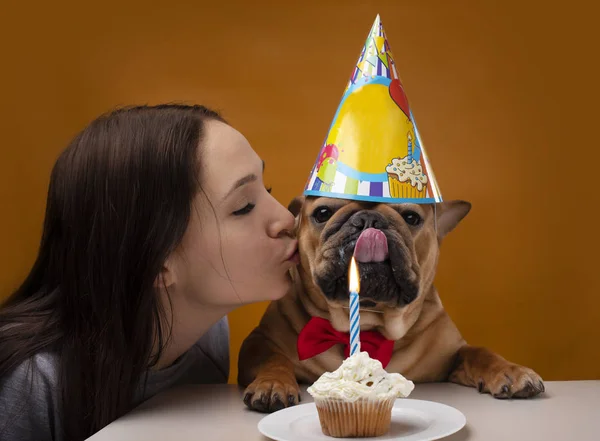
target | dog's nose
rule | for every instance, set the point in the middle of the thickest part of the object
(369, 219)
(368, 303)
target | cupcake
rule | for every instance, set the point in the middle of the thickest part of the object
(406, 178)
(356, 400)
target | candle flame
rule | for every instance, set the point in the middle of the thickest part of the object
(354, 276)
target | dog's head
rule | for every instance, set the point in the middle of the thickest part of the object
(396, 248)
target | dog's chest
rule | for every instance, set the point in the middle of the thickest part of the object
(308, 371)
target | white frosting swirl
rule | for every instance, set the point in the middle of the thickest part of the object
(360, 376)
(408, 171)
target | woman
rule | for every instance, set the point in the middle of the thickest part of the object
(157, 225)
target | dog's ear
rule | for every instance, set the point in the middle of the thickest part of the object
(295, 206)
(449, 214)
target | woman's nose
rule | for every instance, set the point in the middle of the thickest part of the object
(283, 223)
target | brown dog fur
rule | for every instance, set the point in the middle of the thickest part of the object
(428, 346)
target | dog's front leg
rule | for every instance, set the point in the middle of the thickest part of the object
(268, 374)
(489, 372)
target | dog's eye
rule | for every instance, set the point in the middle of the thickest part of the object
(322, 214)
(411, 218)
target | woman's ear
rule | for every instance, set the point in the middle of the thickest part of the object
(167, 276)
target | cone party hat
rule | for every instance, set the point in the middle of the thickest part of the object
(373, 151)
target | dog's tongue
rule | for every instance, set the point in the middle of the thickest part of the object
(371, 246)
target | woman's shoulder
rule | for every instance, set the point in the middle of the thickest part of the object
(28, 399)
(217, 334)
(39, 370)
(207, 361)
(216, 340)
(212, 350)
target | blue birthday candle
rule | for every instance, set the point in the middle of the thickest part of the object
(354, 308)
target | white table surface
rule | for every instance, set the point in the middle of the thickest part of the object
(569, 411)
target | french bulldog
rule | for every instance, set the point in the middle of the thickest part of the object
(396, 248)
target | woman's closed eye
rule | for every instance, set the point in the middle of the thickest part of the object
(249, 206)
(247, 209)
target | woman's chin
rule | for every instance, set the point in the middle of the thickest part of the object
(279, 290)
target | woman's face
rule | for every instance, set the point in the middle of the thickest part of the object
(238, 246)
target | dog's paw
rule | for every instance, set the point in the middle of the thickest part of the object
(269, 395)
(512, 381)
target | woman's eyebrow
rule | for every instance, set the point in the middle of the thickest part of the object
(243, 181)
(240, 183)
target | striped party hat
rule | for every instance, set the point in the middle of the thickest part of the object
(373, 151)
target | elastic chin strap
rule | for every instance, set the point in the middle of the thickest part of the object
(435, 218)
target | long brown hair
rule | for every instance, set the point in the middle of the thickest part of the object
(118, 204)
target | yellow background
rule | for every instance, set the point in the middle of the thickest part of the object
(505, 95)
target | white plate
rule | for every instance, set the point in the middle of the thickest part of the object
(412, 420)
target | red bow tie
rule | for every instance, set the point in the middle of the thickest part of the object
(318, 335)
